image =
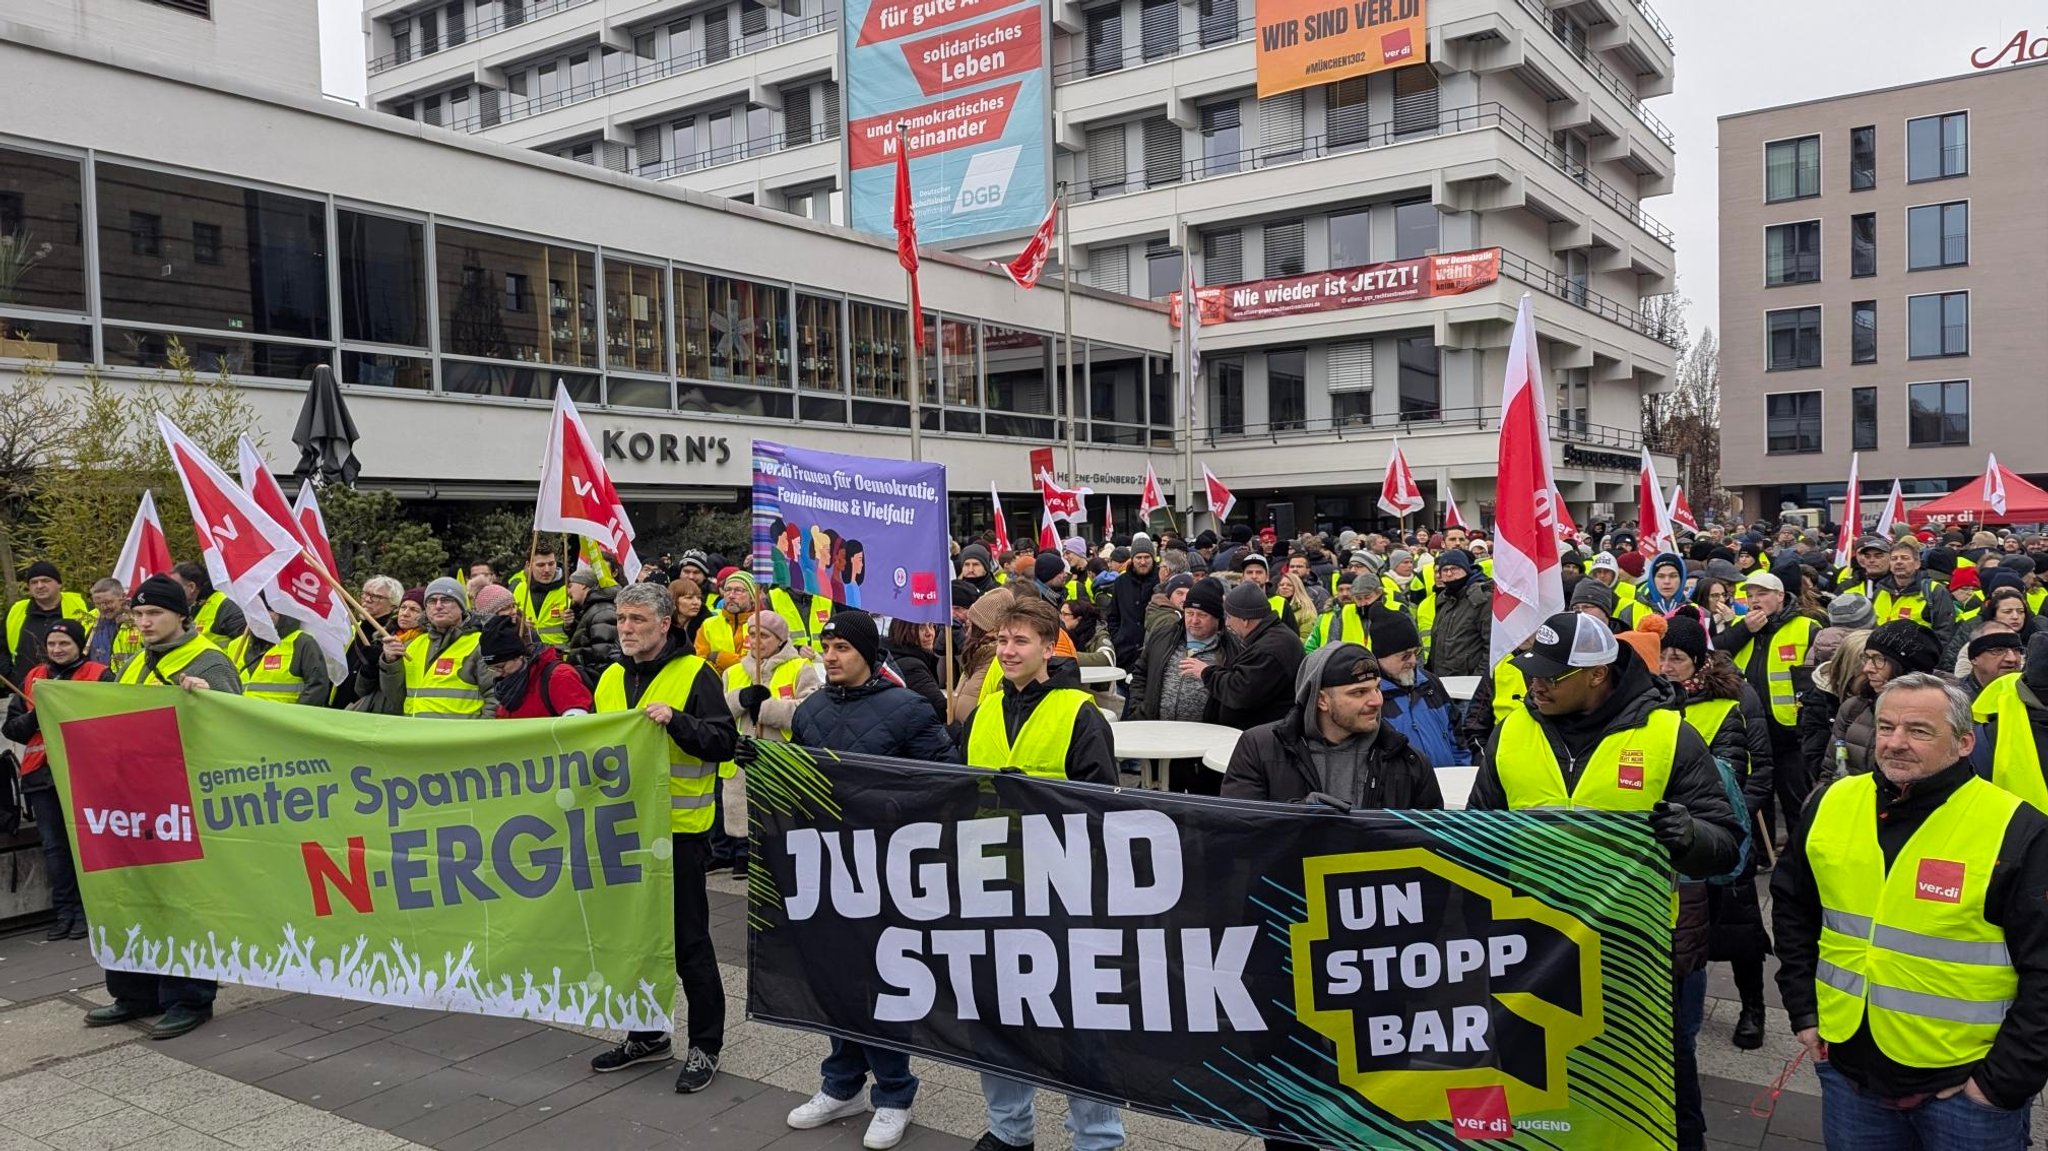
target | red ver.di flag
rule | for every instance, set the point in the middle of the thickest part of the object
(861, 531)
(576, 492)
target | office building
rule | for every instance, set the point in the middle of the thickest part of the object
(1881, 270)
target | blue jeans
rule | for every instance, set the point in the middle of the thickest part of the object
(1093, 1126)
(1853, 1121)
(1685, 1067)
(845, 1072)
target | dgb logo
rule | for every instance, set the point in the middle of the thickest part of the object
(986, 183)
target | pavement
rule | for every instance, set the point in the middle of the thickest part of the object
(305, 1073)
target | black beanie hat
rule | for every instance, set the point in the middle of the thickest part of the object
(1207, 595)
(72, 628)
(1393, 633)
(1048, 566)
(164, 592)
(1684, 633)
(41, 569)
(501, 639)
(857, 627)
(1906, 644)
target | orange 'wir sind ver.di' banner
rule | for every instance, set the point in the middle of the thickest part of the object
(1302, 43)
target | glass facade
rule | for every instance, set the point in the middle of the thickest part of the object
(271, 283)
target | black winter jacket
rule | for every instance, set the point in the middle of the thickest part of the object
(1272, 762)
(1459, 638)
(594, 641)
(877, 718)
(1124, 614)
(1255, 683)
(920, 672)
(1162, 647)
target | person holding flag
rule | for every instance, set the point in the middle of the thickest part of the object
(291, 669)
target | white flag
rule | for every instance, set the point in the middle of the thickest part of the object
(1994, 485)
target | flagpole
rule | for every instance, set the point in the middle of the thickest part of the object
(1067, 332)
(916, 331)
(1189, 315)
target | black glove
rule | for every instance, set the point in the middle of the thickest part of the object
(746, 754)
(1671, 823)
(751, 698)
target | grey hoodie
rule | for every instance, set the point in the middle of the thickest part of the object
(1341, 766)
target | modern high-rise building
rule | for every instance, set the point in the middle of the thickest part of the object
(1881, 269)
(272, 44)
(1523, 142)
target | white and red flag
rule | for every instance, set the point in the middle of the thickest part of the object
(1002, 524)
(1108, 528)
(1221, 500)
(1653, 522)
(1025, 269)
(1894, 511)
(1048, 539)
(1852, 515)
(1453, 518)
(1069, 504)
(1681, 511)
(1151, 499)
(576, 492)
(300, 589)
(1399, 497)
(1567, 531)
(146, 552)
(1994, 484)
(243, 546)
(1528, 579)
(312, 524)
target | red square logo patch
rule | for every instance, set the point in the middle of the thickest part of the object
(273, 662)
(1940, 881)
(131, 798)
(444, 666)
(1397, 46)
(1788, 653)
(924, 588)
(1629, 777)
(1480, 1112)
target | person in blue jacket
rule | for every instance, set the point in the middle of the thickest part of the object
(1416, 704)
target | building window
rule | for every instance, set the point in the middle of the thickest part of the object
(1284, 249)
(206, 243)
(1287, 388)
(817, 344)
(1351, 239)
(1162, 152)
(401, 41)
(1350, 382)
(1862, 159)
(504, 298)
(1938, 415)
(1792, 253)
(1415, 229)
(1105, 39)
(1162, 270)
(145, 234)
(1226, 393)
(383, 279)
(41, 209)
(1938, 235)
(1415, 100)
(1863, 419)
(1863, 244)
(1219, 22)
(1158, 27)
(430, 33)
(636, 318)
(1794, 339)
(1223, 256)
(1221, 142)
(1421, 379)
(457, 33)
(1792, 423)
(1938, 325)
(1792, 169)
(1345, 112)
(201, 8)
(1938, 147)
(736, 331)
(1863, 332)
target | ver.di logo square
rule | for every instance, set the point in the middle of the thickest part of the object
(131, 796)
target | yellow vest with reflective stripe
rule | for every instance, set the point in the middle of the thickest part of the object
(780, 602)
(550, 618)
(203, 619)
(70, 605)
(169, 665)
(127, 645)
(691, 782)
(782, 683)
(437, 689)
(272, 679)
(1509, 686)
(1628, 771)
(1892, 606)
(1042, 743)
(1080, 585)
(1788, 650)
(1909, 947)
(2015, 766)
(1706, 717)
(1350, 627)
(724, 639)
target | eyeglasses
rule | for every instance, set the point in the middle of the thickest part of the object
(1554, 680)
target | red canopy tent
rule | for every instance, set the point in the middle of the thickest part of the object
(2024, 504)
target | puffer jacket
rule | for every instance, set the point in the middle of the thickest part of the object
(919, 671)
(877, 718)
(1852, 740)
(594, 641)
(1463, 629)
(1274, 762)
(1423, 714)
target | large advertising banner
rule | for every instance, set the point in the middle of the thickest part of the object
(969, 80)
(1391, 282)
(518, 868)
(860, 531)
(1381, 979)
(1302, 43)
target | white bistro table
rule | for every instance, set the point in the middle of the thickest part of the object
(1152, 742)
(1456, 784)
(1097, 676)
(1461, 687)
(1217, 758)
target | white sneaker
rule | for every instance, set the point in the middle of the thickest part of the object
(887, 1128)
(823, 1109)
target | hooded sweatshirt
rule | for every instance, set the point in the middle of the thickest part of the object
(1660, 604)
(1288, 760)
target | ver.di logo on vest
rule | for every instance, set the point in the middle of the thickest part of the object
(1940, 881)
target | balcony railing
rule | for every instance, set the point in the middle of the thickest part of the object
(1516, 267)
(514, 108)
(512, 18)
(1656, 23)
(1144, 51)
(1364, 136)
(1378, 424)
(733, 153)
(1574, 42)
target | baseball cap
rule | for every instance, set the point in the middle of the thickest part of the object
(1566, 641)
(1765, 581)
(1873, 544)
(1604, 562)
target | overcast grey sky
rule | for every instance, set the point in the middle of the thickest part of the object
(1733, 55)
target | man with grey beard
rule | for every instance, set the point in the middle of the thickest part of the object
(1416, 704)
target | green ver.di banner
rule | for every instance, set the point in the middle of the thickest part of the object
(518, 868)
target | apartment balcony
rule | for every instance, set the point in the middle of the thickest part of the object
(1633, 34)
(780, 161)
(425, 68)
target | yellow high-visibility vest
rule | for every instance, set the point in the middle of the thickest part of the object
(437, 688)
(2015, 766)
(1509, 687)
(1788, 650)
(203, 620)
(692, 783)
(1907, 947)
(169, 664)
(1042, 743)
(272, 679)
(70, 605)
(781, 684)
(1628, 771)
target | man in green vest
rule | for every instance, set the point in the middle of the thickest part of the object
(2012, 713)
(111, 637)
(1769, 647)
(292, 670)
(440, 673)
(1047, 725)
(216, 617)
(28, 620)
(543, 595)
(1625, 747)
(174, 654)
(1911, 914)
(663, 678)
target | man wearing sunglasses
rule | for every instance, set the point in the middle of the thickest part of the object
(1600, 729)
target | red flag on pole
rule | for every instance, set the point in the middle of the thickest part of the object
(1681, 512)
(1048, 539)
(1025, 269)
(146, 552)
(313, 525)
(1220, 498)
(1399, 497)
(1528, 580)
(1852, 515)
(1108, 528)
(1453, 518)
(1566, 529)
(298, 590)
(1653, 527)
(1894, 511)
(1069, 504)
(1151, 499)
(906, 236)
(1994, 484)
(576, 492)
(1002, 525)
(243, 546)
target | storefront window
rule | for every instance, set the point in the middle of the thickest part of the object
(383, 279)
(1116, 387)
(516, 383)
(1019, 381)
(878, 343)
(817, 345)
(731, 331)
(960, 348)
(748, 402)
(194, 253)
(635, 318)
(26, 339)
(509, 299)
(627, 392)
(211, 355)
(42, 250)
(379, 370)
